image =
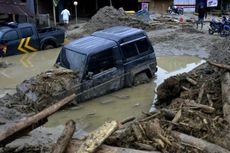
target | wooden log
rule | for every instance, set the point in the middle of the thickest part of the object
(97, 137)
(129, 119)
(200, 144)
(75, 144)
(150, 117)
(185, 88)
(175, 119)
(210, 100)
(190, 80)
(63, 141)
(143, 146)
(225, 89)
(201, 93)
(204, 108)
(223, 66)
(16, 129)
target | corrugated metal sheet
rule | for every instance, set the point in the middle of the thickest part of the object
(13, 7)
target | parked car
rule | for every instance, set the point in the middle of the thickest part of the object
(109, 60)
(25, 37)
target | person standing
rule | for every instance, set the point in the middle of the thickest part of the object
(202, 13)
(65, 17)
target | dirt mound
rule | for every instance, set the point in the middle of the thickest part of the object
(178, 97)
(42, 90)
(109, 16)
(220, 51)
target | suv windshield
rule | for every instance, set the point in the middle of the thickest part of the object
(71, 60)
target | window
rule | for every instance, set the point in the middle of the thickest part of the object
(26, 32)
(11, 35)
(72, 60)
(129, 50)
(143, 45)
(101, 61)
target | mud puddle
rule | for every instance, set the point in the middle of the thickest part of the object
(125, 103)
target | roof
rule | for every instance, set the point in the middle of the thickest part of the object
(5, 28)
(13, 7)
(118, 33)
(89, 44)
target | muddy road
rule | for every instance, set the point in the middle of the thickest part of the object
(179, 48)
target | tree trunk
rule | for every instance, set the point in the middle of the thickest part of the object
(30, 123)
(200, 144)
(75, 144)
(223, 66)
(64, 139)
(225, 88)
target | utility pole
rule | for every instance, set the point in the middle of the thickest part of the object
(75, 3)
(110, 2)
(54, 13)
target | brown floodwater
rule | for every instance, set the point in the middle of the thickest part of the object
(24, 66)
(89, 115)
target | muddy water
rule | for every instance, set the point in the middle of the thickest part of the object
(25, 66)
(125, 103)
(91, 114)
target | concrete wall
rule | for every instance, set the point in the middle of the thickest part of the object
(159, 6)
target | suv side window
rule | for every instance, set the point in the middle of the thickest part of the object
(101, 61)
(143, 45)
(129, 50)
(26, 32)
(11, 35)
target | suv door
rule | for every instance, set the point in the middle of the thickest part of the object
(32, 43)
(139, 57)
(102, 75)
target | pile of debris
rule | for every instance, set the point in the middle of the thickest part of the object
(109, 16)
(193, 112)
(43, 90)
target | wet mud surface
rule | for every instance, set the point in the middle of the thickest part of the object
(181, 94)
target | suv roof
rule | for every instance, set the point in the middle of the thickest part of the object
(89, 44)
(118, 33)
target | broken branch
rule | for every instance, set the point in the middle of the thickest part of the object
(30, 123)
(199, 143)
(223, 66)
(63, 141)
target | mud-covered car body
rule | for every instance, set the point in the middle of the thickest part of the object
(109, 60)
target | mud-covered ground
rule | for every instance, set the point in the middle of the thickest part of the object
(169, 37)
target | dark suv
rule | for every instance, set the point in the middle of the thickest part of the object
(109, 60)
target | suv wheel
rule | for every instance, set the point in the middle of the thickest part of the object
(141, 78)
(48, 45)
